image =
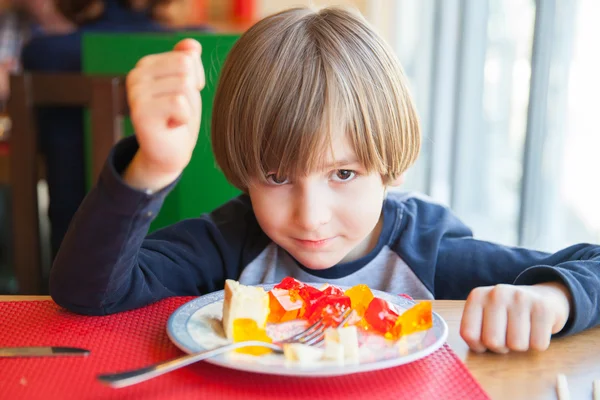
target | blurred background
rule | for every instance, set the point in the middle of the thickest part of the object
(506, 91)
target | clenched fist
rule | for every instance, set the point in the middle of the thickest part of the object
(502, 318)
(163, 91)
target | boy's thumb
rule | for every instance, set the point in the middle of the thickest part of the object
(188, 45)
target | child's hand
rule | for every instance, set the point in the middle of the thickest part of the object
(506, 317)
(164, 99)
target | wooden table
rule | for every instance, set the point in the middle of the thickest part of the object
(513, 376)
(530, 375)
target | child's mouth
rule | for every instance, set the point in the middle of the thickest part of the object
(314, 244)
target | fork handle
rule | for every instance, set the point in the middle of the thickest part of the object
(128, 378)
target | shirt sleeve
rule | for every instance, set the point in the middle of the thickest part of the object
(439, 245)
(106, 263)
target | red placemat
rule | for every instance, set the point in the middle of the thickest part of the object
(136, 338)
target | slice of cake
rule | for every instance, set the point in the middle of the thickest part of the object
(244, 302)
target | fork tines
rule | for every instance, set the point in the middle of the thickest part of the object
(314, 334)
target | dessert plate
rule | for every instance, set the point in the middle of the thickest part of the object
(196, 326)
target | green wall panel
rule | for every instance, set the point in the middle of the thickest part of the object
(202, 186)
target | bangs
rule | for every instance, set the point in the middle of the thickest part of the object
(297, 130)
(300, 142)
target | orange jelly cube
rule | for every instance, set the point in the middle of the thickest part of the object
(246, 329)
(285, 305)
(360, 297)
(415, 319)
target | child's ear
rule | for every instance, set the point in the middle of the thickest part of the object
(397, 182)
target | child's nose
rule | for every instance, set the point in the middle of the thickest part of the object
(312, 210)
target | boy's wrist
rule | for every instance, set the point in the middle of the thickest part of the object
(141, 175)
(561, 298)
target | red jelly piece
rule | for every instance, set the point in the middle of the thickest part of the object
(333, 291)
(309, 294)
(333, 314)
(330, 308)
(380, 316)
(289, 283)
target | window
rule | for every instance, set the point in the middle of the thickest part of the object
(574, 132)
(507, 90)
(490, 134)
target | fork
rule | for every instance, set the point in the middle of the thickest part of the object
(312, 336)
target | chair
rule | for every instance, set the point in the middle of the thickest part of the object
(4, 131)
(105, 98)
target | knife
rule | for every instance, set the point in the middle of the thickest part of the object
(42, 351)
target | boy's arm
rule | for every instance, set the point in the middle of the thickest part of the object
(434, 235)
(106, 264)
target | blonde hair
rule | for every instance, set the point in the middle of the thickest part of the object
(299, 77)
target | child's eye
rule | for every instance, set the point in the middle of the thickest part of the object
(274, 180)
(343, 175)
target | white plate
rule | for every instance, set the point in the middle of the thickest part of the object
(196, 326)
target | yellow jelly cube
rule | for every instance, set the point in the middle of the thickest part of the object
(245, 329)
(415, 319)
(360, 297)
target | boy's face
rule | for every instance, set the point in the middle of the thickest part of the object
(325, 217)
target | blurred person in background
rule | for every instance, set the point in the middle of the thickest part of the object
(175, 14)
(19, 20)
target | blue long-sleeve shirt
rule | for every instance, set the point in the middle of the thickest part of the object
(107, 264)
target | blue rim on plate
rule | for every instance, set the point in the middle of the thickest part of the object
(184, 323)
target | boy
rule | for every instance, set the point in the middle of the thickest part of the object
(312, 121)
